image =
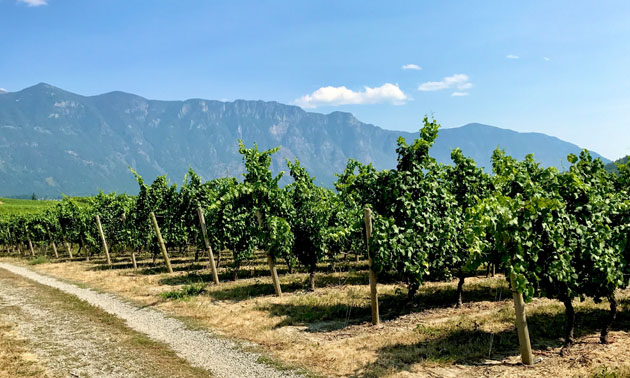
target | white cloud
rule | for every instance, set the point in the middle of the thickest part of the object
(512, 56)
(459, 81)
(411, 67)
(333, 96)
(546, 59)
(464, 86)
(459, 94)
(34, 3)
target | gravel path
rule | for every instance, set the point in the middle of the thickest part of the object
(69, 345)
(223, 358)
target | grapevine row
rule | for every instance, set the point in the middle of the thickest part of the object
(562, 235)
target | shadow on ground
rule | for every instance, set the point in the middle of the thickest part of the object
(318, 317)
(469, 345)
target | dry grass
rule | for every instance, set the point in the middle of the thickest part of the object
(15, 358)
(157, 359)
(150, 357)
(328, 331)
(614, 372)
(38, 260)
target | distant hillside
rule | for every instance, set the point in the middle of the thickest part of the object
(53, 141)
(479, 141)
(612, 166)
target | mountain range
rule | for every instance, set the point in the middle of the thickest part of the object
(53, 141)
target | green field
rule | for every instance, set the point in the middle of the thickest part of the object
(9, 206)
(12, 206)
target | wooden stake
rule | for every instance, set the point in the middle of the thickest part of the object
(133, 259)
(271, 262)
(30, 243)
(521, 325)
(87, 251)
(204, 231)
(274, 275)
(100, 231)
(167, 261)
(54, 247)
(30, 247)
(68, 247)
(11, 245)
(367, 218)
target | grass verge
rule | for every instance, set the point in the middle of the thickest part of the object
(186, 292)
(15, 361)
(612, 372)
(155, 359)
(38, 260)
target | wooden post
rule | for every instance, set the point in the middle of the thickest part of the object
(11, 244)
(100, 231)
(123, 218)
(30, 247)
(274, 275)
(30, 243)
(54, 247)
(204, 231)
(367, 218)
(167, 261)
(133, 260)
(68, 247)
(521, 325)
(87, 251)
(271, 262)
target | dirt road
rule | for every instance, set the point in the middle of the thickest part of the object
(71, 331)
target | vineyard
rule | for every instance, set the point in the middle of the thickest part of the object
(562, 236)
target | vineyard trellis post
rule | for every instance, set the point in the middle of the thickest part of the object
(30, 247)
(133, 260)
(68, 247)
(367, 218)
(54, 246)
(83, 245)
(123, 218)
(521, 324)
(271, 262)
(156, 227)
(11, 246)
(100, 231)
(30, 243)
(213, 267)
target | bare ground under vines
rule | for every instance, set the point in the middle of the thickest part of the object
(328, 332)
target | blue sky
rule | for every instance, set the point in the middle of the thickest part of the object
(557, 67)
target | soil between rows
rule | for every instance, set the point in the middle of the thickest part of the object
(327, 331)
